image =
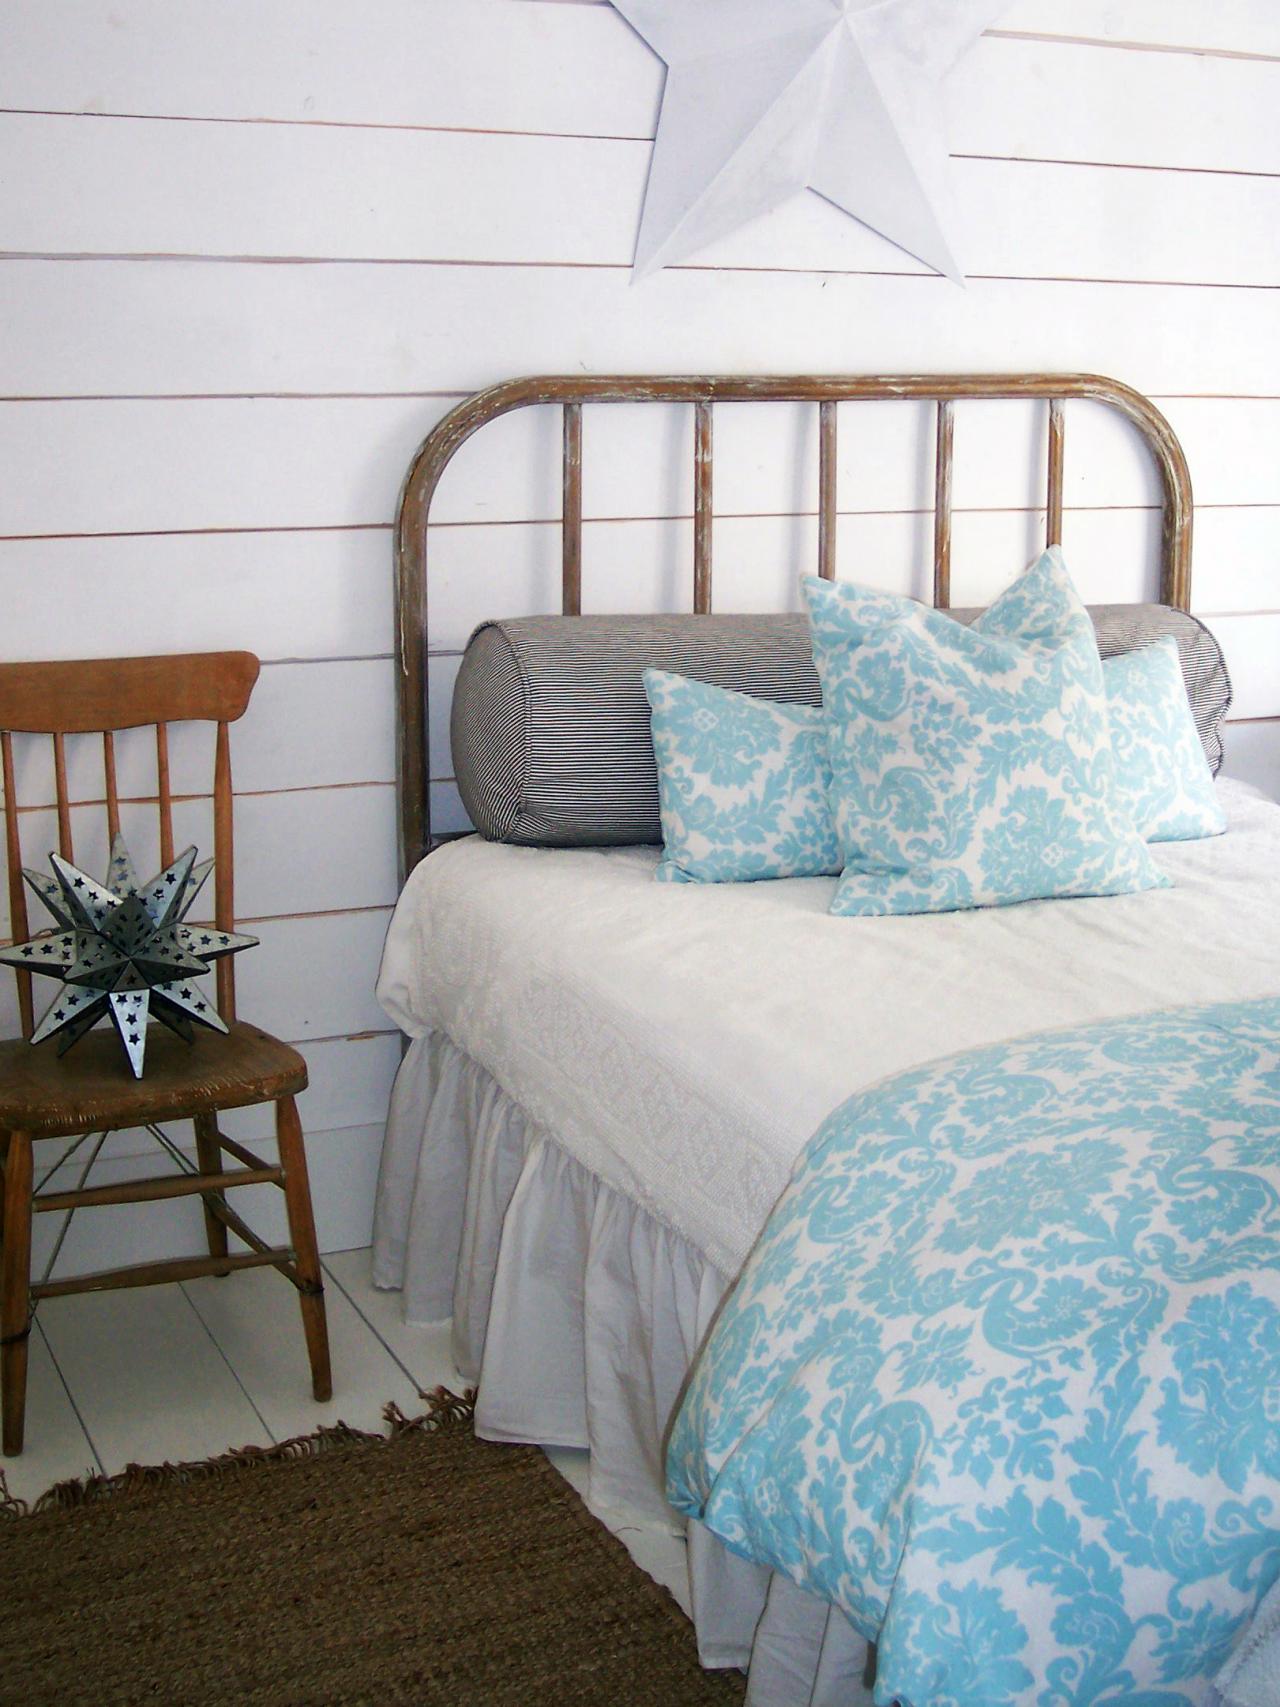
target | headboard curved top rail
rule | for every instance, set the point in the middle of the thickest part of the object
(703, 392)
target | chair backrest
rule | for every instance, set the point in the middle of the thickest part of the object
(100, 697)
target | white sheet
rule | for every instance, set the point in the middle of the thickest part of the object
(683, 1041)
(578, 1316)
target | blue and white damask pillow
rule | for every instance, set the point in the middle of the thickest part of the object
(1162, 775)
(742, 784)
(971, 767)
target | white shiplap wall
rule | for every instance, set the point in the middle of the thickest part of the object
(248, 254)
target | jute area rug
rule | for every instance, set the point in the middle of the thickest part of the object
(423, 1567)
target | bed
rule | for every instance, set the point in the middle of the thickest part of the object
(610, 1080)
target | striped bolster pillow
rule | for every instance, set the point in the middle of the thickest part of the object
(550, 725)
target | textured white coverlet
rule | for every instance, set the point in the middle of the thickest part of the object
(683, 1041)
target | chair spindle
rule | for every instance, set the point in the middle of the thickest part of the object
(223, 877)
(109, 772)
(19, 928)
(164, 796)
(65, 845)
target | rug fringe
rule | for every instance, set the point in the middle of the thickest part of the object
(445, 1409)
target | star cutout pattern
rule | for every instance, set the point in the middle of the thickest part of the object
(122, 950)
(765, 98)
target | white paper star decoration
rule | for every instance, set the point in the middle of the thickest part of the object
(123, 950)
(765, 98)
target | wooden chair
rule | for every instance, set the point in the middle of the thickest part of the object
(91, 1090)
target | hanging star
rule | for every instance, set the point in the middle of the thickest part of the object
(765, 98)
(123, 950)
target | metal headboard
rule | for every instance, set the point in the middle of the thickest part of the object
(703, 393)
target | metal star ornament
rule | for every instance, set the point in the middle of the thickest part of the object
(765, 98)
(123, 950)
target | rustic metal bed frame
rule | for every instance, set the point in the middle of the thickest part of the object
(571, 392)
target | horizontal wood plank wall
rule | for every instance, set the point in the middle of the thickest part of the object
(248, 255)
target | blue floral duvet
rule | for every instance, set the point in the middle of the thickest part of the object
(1002, 1375)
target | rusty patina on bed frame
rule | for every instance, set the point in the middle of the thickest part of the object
(571, 392)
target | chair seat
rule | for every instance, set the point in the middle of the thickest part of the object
(92, 1088)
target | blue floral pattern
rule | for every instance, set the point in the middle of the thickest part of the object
(1163, 777)
(742, 784)
(971, 766)
(988, 1387)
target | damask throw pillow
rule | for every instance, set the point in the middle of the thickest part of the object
(742, 784)
(971, 767)
(1162, 776)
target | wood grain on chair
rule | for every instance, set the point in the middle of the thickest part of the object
(91, 1090)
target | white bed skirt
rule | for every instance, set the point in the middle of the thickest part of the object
(577, 1314)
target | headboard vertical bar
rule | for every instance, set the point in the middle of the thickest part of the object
(702, 510)
(942, 506)
(827, 490)
(571, 513)
(65, 845)
(1057, 446)
(19, 928)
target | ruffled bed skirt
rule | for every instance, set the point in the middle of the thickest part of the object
(578, 1314)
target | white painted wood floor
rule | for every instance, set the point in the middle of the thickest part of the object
(186, 1371)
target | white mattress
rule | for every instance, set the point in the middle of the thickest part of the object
(683, 1041)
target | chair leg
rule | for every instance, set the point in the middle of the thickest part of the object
(209, 1156)
(15, 1290)
(302, 1236)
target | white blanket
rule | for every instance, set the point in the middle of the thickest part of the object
(683, 1041)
